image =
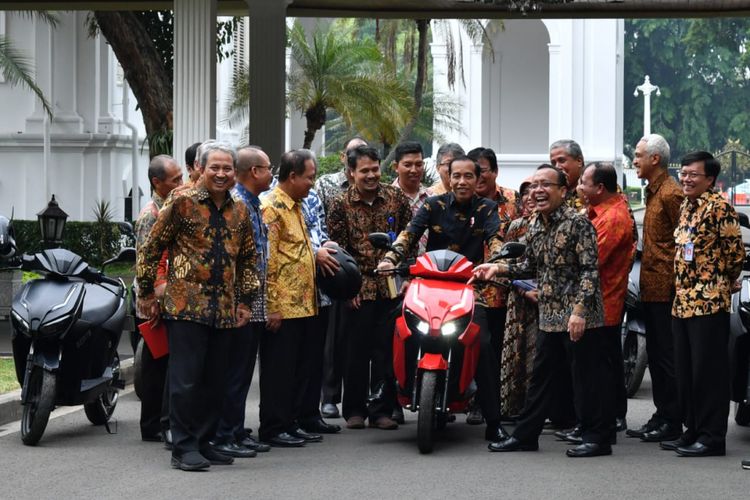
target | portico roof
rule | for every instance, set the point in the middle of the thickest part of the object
(428, 8)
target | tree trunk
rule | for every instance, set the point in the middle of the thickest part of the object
(142, 67)
(316, 118)
(422, 27)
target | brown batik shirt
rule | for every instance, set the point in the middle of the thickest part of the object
(704, 280)
(663, 199)
(351, 219)
(212, 258)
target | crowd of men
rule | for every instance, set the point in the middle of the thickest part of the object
(233, 261)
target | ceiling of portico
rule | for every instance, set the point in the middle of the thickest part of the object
(428, 8)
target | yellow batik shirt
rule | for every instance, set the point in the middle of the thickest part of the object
(291, 262)
(704, 282)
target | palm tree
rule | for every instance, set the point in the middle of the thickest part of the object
(338, 72)
(17, 69)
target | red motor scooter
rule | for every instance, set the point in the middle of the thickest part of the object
(436, 343)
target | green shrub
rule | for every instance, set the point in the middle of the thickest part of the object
(328, 165)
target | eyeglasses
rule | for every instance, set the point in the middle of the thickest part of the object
(271, 168)
(690, 175)
(543, 185)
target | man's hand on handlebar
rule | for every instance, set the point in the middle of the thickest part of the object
(484, 272)
(385, 265)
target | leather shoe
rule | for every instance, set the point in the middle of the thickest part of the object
(398, 415)
(664, 432)
(234, 450)
(512, 444)
(355, 422)
(746, 464)
(639, 432)
(384, 423)
(190, 461)
(475, 417)
(495, 433)
(589, 450)
(249, 442)
(699, 449)
(621, 424)
(166, 436)
(216, 458)
(329, 410)
(285, 440)
(309, 437)
(319, 426)
(677, 443)
(570, 435)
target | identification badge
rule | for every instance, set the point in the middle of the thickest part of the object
(687, 252)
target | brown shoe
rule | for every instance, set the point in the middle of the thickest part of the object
(384, 423)
(355, 422)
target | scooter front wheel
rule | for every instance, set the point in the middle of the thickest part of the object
(100, 410)
(40, 403)
(426, 418)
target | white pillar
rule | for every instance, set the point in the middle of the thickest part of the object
(194, 100)
(439, 51)
(268, 75)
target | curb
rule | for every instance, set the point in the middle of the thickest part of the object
(10, 403)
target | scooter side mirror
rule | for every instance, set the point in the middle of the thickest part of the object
(126, 255)
(380, 240)
(512, 250)
(744, 220)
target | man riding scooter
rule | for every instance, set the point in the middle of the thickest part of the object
(462, 222)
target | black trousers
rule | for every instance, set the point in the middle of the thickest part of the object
(154, 393)
(702, 369)
(554, 353)
(291, 360)
(243, 352)
(334, 354)
(197, 376)
(496, 326)
(369, 340)
(612, 343)
(660, 351)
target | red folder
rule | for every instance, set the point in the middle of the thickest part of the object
(156, 338)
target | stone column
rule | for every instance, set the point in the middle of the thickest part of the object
(194, 101)
(268, 74)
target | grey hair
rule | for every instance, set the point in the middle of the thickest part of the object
(454, 149)
(657, 145)
(209, 147)
(571, 147)
(157, 167)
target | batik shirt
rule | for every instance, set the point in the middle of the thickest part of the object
(330, 186)
(561, 254)
(144, 223)
(258, 308)
(704, 282)
(462, 228)
(351, 219)
(291, 261)
(614, 239)
(663, 199)
(416, 203)
(507, 211)
(212, 258)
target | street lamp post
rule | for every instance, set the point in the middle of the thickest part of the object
(647, 88)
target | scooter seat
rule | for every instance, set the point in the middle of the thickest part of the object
(99, 304)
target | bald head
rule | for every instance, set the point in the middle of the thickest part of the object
(254, 169)
(164, 174)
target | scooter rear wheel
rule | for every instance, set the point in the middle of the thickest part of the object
(100, 410)
(426, 421)
(40, 403)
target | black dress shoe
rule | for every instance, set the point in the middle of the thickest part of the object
(512, 444)
(285, 440)
(190, 461)
(680, 442)
(570, 435)
(621, 424)
(639, 432)
(589, 450)
(746, 464)
(329, 410)
(398, 415)
(699, 449)
(495, 433)
(216, 458)
(309, 437)
(234, 450)
(320, 427)
(665, 432)
(252, 444)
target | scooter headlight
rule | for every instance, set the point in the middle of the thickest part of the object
(415, 323)
(457, 326)
(19, 323)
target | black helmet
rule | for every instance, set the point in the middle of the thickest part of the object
(345, 283)
(7, 239)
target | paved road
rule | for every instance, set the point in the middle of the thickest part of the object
(75, 459)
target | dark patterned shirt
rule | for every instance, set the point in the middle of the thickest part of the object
(351, 219)
(663, 199)
(212, 258)
(258, 308)
(330, 186)
(561, 253)
(508, 209)
(704, 283)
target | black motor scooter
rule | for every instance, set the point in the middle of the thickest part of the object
(66, 327)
